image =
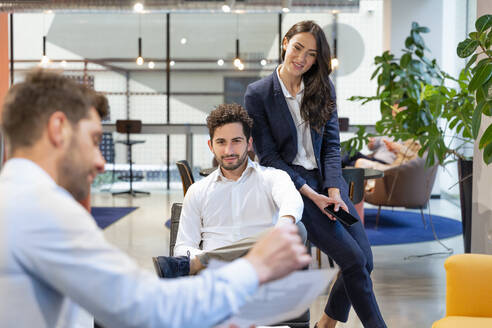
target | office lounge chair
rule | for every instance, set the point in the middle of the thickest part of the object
(407, 185)
(468, 292)
(300, 322)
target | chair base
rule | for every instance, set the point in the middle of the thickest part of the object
(131, 192)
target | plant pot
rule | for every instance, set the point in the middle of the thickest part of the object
(465, 174)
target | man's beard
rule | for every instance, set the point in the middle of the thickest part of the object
(232, 167)
(73, 174)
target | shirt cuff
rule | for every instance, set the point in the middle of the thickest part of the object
(283, 217)
(242, 277)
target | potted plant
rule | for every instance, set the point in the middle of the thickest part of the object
(442, 119)
(433, 112)
(481, 79)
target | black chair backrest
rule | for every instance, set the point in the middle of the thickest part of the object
(175, 215)
(355, 180)
(186, 175)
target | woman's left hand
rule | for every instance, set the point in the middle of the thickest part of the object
(335, 198)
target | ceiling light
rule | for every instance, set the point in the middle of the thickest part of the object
(140, 59)
(183, 41)
(63, 63)
(263, 62)
(286, 4)
(151, 64)
(228, 5)
(44, 59)
(138, 7)
(240, 66)
(334, 63)
(172, 62)
(220, 62)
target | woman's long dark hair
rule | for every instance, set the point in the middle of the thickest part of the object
(318, 100)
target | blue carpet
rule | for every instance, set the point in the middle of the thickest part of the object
(105, 216)
(402, 227)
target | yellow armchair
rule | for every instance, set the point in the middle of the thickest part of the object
(468, 292)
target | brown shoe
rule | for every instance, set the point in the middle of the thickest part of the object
(157, 268)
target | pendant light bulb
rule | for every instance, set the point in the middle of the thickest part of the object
(140, 59)
(44, 59)
(334, 63)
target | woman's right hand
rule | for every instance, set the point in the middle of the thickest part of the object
(320, 200)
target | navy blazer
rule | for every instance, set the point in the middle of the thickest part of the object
(275, 136)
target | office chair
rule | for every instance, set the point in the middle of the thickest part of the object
(127, 127)
(186, 175)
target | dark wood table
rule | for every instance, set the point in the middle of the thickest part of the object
(369, 173)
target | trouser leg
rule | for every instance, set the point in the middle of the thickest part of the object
(349, 247)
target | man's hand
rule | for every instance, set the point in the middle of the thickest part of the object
(278, 253)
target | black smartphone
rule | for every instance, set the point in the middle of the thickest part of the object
(344, 217)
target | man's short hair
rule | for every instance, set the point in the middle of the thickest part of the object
(229, 113)
(29, 104)
(100, 103)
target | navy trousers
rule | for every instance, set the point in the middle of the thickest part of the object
(350, 249)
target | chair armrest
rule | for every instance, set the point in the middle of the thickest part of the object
(469, 285)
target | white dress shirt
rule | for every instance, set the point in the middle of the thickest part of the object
(218, 211)
(305, 152)
(54, 261)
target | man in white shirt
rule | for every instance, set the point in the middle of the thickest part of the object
(55, 262)
(224, 213)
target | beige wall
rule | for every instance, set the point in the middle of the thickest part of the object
(482, 178)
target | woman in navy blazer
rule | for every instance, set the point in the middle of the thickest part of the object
(299, 134)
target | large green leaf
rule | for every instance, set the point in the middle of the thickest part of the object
(405, 59)
(486, 137)
(477, 119)
(471, 61)
(376, 71)
(483, 23)
(408, 42)
(417, 39)
(480, 77)
(466, 48)
(487, 154)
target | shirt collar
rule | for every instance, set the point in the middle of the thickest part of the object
(284, 89)
(249, 167)
(31, 171)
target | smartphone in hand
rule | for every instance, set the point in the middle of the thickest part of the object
(344, 217)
